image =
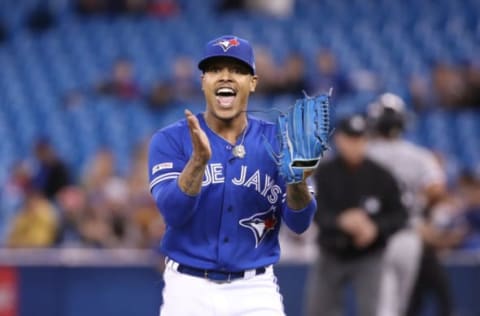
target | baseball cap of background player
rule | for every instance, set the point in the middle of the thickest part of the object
(229, 46)
(354, 126)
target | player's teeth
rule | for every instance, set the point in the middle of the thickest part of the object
(225, 90)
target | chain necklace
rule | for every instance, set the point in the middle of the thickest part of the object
(239, 150)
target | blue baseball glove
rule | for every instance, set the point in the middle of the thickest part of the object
(303, 134)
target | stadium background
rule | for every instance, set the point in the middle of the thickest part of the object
(52, 59)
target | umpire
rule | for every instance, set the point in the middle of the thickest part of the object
(359, 208)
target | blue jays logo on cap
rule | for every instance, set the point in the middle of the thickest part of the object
(229, 46)
(227, 43)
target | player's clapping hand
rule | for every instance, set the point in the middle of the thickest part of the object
(201, 146)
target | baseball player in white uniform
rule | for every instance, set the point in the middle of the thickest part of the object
(421, 180)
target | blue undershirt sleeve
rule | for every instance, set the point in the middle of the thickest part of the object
(176, 206)
(299, 220)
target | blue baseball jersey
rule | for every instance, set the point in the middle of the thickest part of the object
(233, 223)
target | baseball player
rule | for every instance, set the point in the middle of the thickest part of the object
(222, 196)
(422, 182)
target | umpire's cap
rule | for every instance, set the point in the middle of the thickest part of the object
(229, 46)
(387, 115)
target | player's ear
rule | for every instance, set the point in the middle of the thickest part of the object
(202, 76)
(253, 83)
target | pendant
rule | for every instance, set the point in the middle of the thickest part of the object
(239, 151)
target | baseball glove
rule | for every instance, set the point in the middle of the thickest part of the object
(303, 134)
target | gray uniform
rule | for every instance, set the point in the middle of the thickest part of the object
(415, 168)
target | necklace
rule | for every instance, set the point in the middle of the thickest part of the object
(239, 150)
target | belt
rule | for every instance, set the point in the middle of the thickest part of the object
(215, 275)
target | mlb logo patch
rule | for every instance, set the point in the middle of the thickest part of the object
(161, 166)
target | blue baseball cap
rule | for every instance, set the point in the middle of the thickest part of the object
(229, 46)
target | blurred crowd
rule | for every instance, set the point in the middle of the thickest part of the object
(444, 83)
(160, 8)
(45, 205)
(103, 209)
(288, 76)
(445, 86)
(448, 85)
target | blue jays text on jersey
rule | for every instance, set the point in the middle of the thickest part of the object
(233, 223)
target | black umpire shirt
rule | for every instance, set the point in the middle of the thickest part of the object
(367, 186)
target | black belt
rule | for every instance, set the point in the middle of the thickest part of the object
(219, 276)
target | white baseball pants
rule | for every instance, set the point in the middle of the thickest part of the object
(185, 295)
(401, 263)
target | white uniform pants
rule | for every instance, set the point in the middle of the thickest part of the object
(401, 263)
(185, 295)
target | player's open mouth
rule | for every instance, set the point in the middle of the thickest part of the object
(225, 96)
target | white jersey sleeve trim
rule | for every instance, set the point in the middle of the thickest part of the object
(163, 177)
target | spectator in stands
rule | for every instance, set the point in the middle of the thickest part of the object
(73, 99)
(231, 5)
(359, 208)
(40, 19)
(35, 225)
(276, 8)
(12, 195)
(72, 205)
(109, 222)
(3, 32)
(181, 88)
(184, 80)
(88, 7)
(469, 194)
(161, 96)
(99, 171)
(51, 174)
(293, 75)
(421, 92)
(269, 72)
(163, 8)
(120, 216)
(451, 86)
(472, 77)
(95, 228)
(121, 84)
(328, 75)
(141, 204)
(135, 7)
